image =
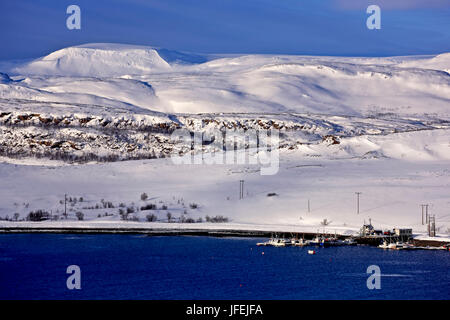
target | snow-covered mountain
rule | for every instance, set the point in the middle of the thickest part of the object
(79, 94)
(174, 82)
(105, 60)
(379, 125)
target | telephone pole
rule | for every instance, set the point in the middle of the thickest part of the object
(309, 207)
(432, 226)
(65, 206)
(424, 206)
(241, 189)
(357, 201)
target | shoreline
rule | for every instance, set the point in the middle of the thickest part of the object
(146, 231)
(159, 228)
(208, 231)
(222, 230)
(163, 232)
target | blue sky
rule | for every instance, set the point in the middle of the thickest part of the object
(32, 28)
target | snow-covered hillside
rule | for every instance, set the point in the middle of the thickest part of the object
(175, 82)
(392, 190)
(376, 125)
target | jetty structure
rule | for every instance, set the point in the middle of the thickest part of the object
(397, 238)
(368, 234)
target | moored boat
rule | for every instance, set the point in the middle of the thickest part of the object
(277, 242)
(384, 245)
(299, 242)
(350, 242)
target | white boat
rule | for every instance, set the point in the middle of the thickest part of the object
(311, 251)
(400, 245)
(331, 241)
(392, 246)
(317, 240)
(350, 242)
(384, 245)
(395, 245)
(299, 242)
(277, 242)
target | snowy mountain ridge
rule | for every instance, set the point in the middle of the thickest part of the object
(123, 102)
(175, 82)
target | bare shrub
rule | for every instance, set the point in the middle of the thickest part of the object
(38, 215)
(123, 214)
(193, 206)
(80, 215)
(144, 196)
(149, 206)
(216, 219)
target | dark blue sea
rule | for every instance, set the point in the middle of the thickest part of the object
(33, 266)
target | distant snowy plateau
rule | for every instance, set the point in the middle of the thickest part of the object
(95, 122)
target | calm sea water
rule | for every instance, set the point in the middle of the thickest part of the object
(33, 266)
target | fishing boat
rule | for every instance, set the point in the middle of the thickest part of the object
(299, 242)
(316, 241)
(392, 245)
(384, 245)
(350, 242)
(331, 242)
(399, 245)
(277, 242)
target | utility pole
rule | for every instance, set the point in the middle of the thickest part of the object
(424, 206)
(432, 226)
(309, 207)
(65, 206)
(241, 189)
(357, 201)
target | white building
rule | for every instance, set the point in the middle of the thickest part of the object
(403, 232)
